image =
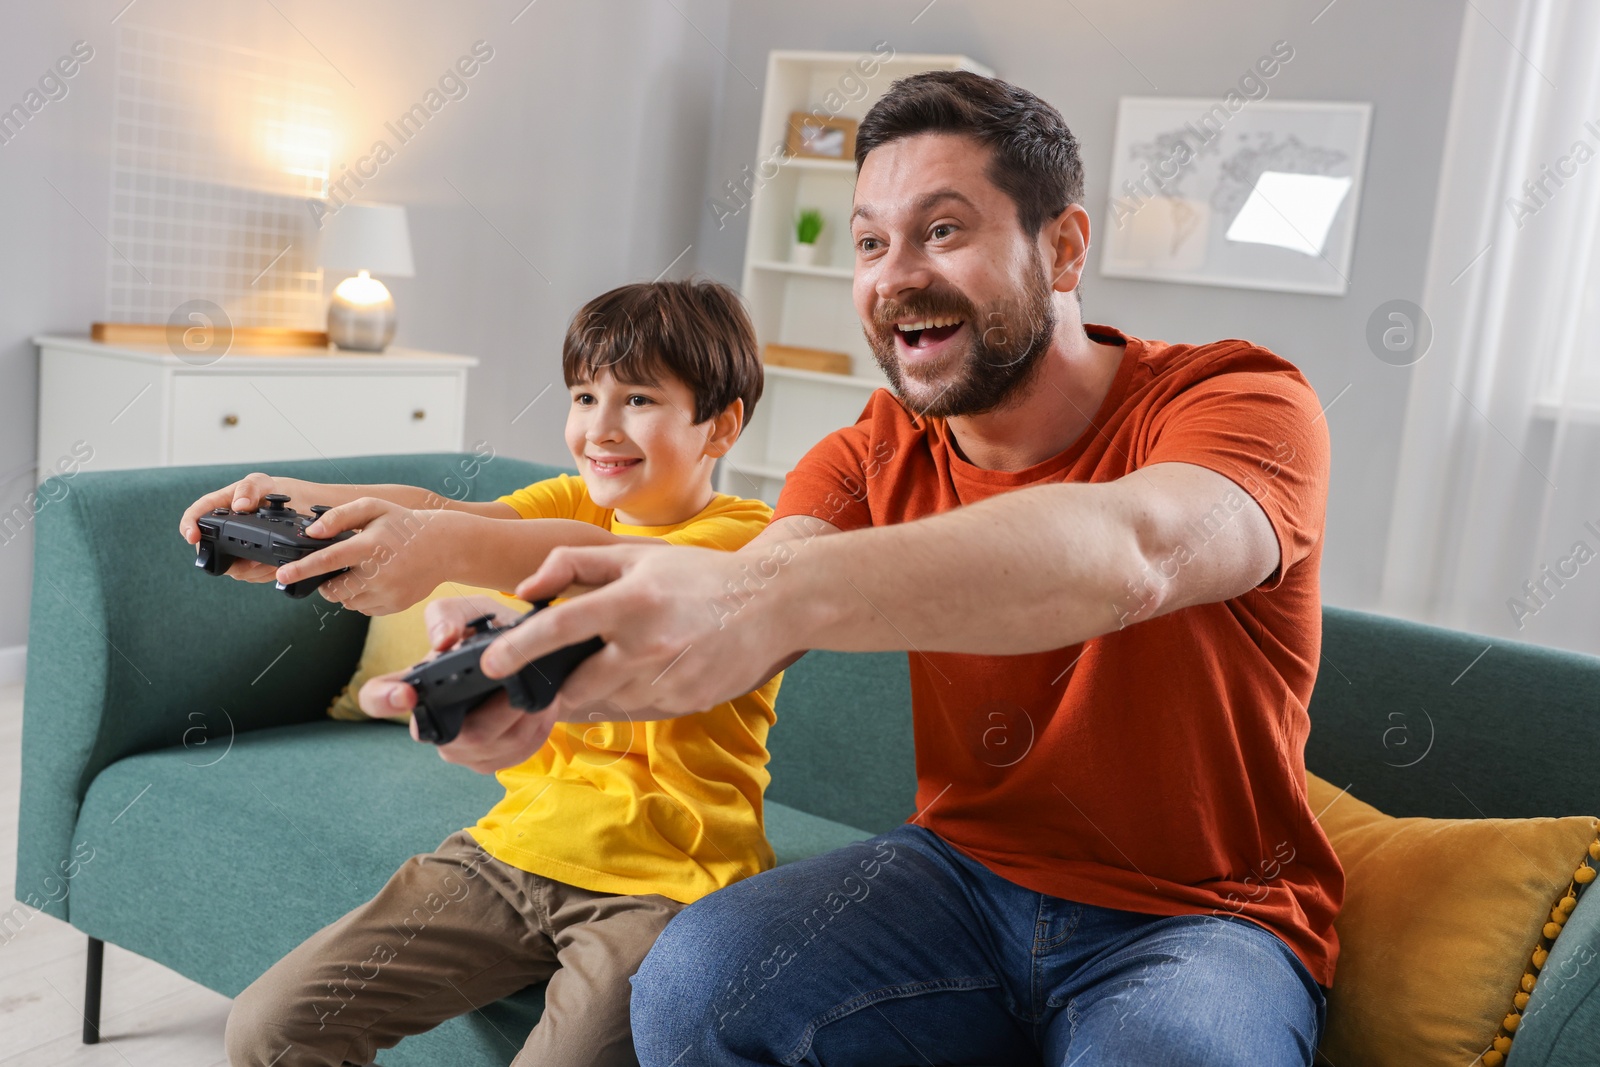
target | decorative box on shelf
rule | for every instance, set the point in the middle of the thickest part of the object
(144, 406)
(807, 305)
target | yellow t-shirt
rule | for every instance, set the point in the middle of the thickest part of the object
(671, 806)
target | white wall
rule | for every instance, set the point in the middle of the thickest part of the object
(584, 142)
(596, 136)
(1399, 56)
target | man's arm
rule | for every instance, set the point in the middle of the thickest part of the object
(497, 735)
(1034, 569)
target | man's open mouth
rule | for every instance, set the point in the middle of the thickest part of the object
(924, 333)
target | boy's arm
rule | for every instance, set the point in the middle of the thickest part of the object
(498, 555)
(401, 555)
(247, 493)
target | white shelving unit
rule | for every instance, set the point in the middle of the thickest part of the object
(808, 305)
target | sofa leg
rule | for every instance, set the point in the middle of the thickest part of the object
(91, 991)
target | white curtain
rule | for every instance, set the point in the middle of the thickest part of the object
(1496, 525)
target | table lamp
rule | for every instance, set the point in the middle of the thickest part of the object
(370, 239)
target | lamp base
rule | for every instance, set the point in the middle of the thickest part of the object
(364, 325)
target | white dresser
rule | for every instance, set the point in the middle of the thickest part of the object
(143, 406)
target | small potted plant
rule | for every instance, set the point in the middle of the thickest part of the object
(807, 227)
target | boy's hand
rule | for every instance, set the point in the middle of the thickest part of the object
(395, 560)
(495, 735)
(447, 617)
(244, 495)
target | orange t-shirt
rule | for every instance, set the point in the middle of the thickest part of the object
(1158, 768)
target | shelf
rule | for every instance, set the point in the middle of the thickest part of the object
(900, 63)
(842, 273)
(801, 407)
(839, 166)
(800, 374)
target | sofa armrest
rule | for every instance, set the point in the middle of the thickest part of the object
(132, 648)
(1561, 1024)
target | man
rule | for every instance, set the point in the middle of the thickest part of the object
(1101, 554)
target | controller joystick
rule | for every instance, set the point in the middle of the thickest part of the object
(451, 685)
(275, 535)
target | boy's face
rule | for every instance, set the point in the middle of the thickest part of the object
(638, 448)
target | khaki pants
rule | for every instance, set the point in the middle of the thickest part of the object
(454, 929)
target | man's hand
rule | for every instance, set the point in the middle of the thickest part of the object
(685, 628)
(244, 495)
(495, 735)
(398, 557)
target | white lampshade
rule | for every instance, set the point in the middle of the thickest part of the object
(370, 237)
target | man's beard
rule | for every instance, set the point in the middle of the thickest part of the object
(1005, 344)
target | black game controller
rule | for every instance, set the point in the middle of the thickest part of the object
(275, 534)
(451, 685)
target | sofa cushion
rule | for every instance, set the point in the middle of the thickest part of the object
(1442, 919)
(217, 858)
(796, 834)
(843, 746)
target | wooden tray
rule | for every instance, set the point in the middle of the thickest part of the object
(817, 359)
(156, 333)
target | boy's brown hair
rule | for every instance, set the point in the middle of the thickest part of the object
(695, 331)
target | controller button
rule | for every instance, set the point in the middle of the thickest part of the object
(221, 511)
(482, 624)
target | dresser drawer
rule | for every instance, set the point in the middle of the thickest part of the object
(234, 418)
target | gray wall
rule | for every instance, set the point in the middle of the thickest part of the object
(1401, 57)
(584, 142)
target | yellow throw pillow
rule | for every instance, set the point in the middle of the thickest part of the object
(396, 642)
(1442, 921)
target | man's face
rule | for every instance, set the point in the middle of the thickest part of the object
(938, 246)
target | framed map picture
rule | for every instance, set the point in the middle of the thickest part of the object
(1262, 197)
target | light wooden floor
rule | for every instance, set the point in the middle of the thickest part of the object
(148, 1014)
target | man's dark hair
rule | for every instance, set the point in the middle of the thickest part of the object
(695, 331)
(1035, 157)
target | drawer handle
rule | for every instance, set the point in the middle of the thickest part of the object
(418, 415)
(230, 420)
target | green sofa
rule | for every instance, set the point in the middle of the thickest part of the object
(174, 724)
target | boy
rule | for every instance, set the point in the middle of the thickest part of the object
(610, 828)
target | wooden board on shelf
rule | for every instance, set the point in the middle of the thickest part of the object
(817, 359)
(813, 135)
(156, 333)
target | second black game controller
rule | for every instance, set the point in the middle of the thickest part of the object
(452, 684)
(275, 534)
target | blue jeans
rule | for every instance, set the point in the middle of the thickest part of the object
(901, 950)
